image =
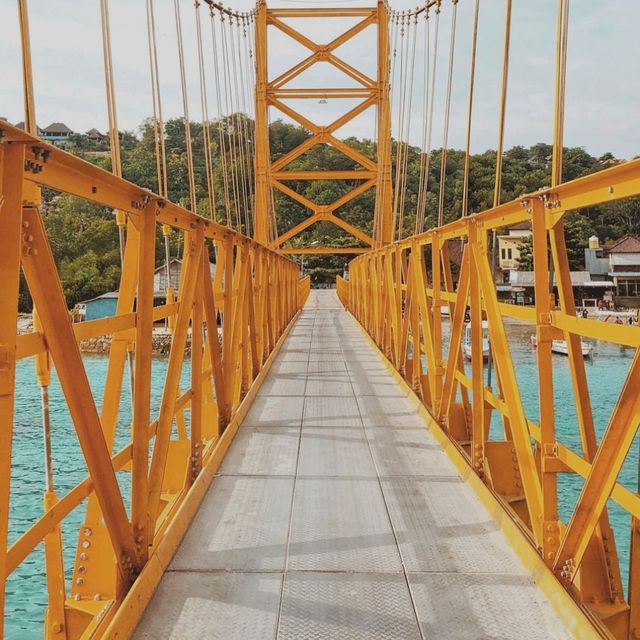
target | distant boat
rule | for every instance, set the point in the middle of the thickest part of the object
(561, 347)
(466, 341)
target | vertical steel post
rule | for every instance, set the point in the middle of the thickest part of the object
(384, 191)
(261, 227)
(11, 168)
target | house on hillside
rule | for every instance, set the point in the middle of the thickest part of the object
(509, 247)
(99, 307)
(105, 305)
(624, 270)
(175, 265)
(596, 260)
(95, 135)
(521, 288)
(57, 133)
(21, 125)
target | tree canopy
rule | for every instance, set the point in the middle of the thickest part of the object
(84, 236)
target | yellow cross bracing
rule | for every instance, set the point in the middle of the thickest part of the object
(373, 92)
(255, 294)
(397, 291)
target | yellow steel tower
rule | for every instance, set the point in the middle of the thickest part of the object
(373, 92)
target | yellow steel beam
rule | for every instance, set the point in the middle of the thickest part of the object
(373, 91)
(323, 175)
(118, 545)
(354, 231)
(11, 228)
(46, 290)
(320, 12)
(262, 161)
(314, 93)
(310, 251)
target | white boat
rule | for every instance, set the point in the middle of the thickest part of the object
(561, 347)
(466, 340)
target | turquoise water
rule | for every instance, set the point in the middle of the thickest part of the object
(26, 589)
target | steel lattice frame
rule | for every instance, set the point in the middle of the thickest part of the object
(256, 294)
(398, 292)
(372, 92)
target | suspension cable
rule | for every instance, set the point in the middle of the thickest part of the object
(561, 81)
(421, 197)
(472, 76)
(434, 67)
(206, 134)
(447, 115)
(219, 124)
(503, 105)
(185, 104)
(114, 139)
(240, 138)
(408, 80)
(396, 185)
(243, 59)
(230, 129)
(158, 123)
(114, 147)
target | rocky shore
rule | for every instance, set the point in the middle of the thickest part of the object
(161, 339)
(161, 342)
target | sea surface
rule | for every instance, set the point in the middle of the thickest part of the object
(26, 589)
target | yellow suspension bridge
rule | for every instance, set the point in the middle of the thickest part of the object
(330, 471)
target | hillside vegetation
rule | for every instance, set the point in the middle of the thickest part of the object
(85, 241)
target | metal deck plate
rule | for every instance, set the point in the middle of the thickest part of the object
(281, 367)
(408, 452)
(341, 525)
(441, 526)
(377, 385)
(242, 525)
(326, 356)
(331, 411)
(293, 354)
(263, 451)
(483, 606)
(389, 412)
(337, 508)
(277, 411)
(213, 606)
(335, 451)
(346, 606)
(329, 384)
(283, 384)
(320, 366)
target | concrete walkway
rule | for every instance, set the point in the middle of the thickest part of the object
(336, 515)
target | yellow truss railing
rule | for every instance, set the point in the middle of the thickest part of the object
(398, 294)
(254, 297)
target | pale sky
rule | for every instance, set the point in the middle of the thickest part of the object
(602, 110)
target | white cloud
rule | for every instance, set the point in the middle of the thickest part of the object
(603, 87)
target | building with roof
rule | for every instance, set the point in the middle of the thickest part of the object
(99, 307)
(21, 125)
(57, 133)
(509, 247)
(586, 292)
(95, 135)
(624, 270)
(619, 263)
(105, 305)
(160, 276)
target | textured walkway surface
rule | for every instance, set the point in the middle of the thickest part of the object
(336, 515)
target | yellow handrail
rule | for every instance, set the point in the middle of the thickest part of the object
(398, 294)
(254, 297)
